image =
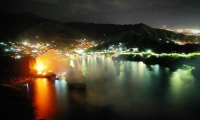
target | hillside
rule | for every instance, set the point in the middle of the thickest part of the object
(99, 31)
(50, 31)
(12, 25)
(145, 37)
(29, 27)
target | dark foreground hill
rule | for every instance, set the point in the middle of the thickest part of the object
(14, 105)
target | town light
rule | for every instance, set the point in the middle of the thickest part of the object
(149, 51)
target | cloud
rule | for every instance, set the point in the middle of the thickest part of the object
(83, 6)
(131, 4)
(46, 1)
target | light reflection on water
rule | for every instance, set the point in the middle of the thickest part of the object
(181, 83)
(118, 89)
(44, 98)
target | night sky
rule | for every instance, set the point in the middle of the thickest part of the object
(172, 13)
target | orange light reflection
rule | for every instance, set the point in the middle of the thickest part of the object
(43, 99)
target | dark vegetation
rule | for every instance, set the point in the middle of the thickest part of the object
(10, 67)
(173, 62)
(14, 105)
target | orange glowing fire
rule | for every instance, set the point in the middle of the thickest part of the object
(50, 63)
(40, 68)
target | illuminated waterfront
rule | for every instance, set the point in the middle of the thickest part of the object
(118, 90)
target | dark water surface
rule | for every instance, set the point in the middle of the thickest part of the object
(118, 90)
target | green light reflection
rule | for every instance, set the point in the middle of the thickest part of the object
(180, 82)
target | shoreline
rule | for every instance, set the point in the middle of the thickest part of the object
(14, 104)
(171, 62)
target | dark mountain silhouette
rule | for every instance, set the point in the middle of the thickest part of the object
(29, 27)
(51, 31)
(145, 37)
(98, 31)
(35, 29)
(11, 25)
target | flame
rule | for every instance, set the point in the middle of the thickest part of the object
(51, 62)
(58, 65)
(40, 68)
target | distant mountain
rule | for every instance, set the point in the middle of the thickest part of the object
(50, 31)
(35, 29)
(145, 37)
(11, 25)
(138, 35)
(29, 27)
(98, 31)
